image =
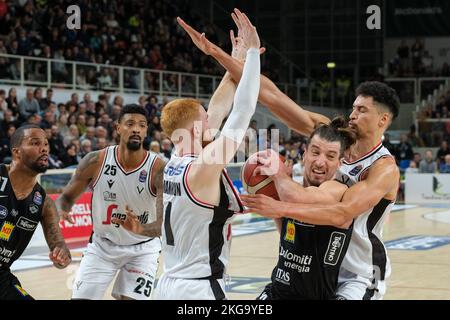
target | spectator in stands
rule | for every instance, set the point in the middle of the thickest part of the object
(86, 147)
(405, 151)
(251, 138)
(403, 54)
(34, 119)
(38, 95)
(416, 52)
(11, 100)
(48, 121)
(297, 170)
(74, 134)
(28, 105)
(89, 135)
(62, 125)
(445, 167)
(152, 106)
(387, 143)
(70, 156)
(5, 150)
(412, 168)
(166, 148)
(427, 64)
(428, 165)
(44, 103)
(442, 152)
(417, 158)
(413, 139)
(101, 144)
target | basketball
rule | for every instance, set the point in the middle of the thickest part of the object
(257, 184)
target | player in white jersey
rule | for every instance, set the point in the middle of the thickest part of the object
(126, 185)
(199, 199)
(374, 109)
(372, 176)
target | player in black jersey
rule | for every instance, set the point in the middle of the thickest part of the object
(310, 255)
(23, 204)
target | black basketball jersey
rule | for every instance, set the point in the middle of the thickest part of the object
(309, 260)
(18, 218)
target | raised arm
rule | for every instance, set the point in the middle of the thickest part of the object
(215, 156)
(59, 253)
(381, 183)
(87, 170)
(278, 103)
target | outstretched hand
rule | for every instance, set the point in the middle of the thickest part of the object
(198, 38)
(246, 31)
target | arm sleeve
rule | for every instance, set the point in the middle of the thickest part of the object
(245, 98)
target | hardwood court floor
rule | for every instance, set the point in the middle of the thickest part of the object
(416, 274)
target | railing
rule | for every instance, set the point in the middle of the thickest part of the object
(75, 75)
(414, 90)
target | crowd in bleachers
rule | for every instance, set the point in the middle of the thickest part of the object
(75, 127)
(410, 161)
(117, 32)
(438, 129)
(416, 61)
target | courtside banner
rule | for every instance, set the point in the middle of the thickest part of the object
(81, 213)
(427, 188)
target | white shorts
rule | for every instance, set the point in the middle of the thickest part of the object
(189, 289)
(137, 266)
(354, 287)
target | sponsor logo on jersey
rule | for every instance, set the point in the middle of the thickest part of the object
(356, 170)
(3, 212)
(335, 247)
(173, 171)
(26, 224)
(14, 212)
(283, 276)
(142, 176)
(6, 255)
(109, 196)
(21, 290)
(143, 218)
(290, 231)
(300, 263)
(37, 199)
(33, 208)
(110, 183)
(6, 230)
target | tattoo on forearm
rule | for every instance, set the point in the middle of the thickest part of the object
(50, 225)
(154, 229)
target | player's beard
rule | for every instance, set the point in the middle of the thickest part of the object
(38, 168)
(134, 146)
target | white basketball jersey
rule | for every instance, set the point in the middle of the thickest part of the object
(115, 188)
(196, 236)
(366, 255)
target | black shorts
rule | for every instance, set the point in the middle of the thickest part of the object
(10, 287)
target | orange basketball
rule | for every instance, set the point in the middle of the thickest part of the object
(257, 184)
